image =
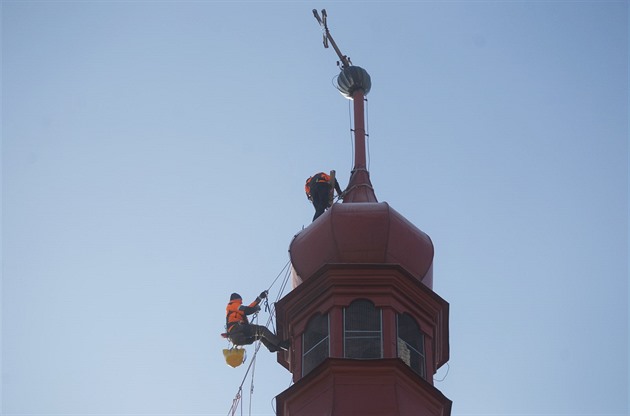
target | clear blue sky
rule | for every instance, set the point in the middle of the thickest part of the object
(153, 161)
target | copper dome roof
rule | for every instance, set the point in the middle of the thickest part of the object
(362, 233)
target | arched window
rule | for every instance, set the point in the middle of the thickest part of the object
(411, 344)
(315, 343)
(362, 330)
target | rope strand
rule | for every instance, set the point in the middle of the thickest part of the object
(274, 280)
(367, 131)
(351, 134)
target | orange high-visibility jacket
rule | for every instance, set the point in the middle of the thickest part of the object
(236, 313)
(319, 177)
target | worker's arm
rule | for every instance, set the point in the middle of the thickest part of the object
(248, 310)
(255, 305)
(337, 187)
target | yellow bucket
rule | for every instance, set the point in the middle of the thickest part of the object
(234, 356)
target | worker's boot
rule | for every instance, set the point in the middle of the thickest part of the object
(271, 347)
(284, 345)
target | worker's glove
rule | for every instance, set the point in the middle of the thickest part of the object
(263, 294)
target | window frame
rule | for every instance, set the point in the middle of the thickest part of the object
(376, 333)
(317, 344)
(422, 355)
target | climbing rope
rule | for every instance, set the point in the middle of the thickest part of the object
(252, 366)
(367, 132)
(239, 395)
(272, 310)
(274, 280)
(251, 385)
(235, 402)
(351, 131)
(448, 368)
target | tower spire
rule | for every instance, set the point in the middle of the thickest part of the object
(354, 83)
(367, 331)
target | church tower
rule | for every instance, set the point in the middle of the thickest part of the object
(367, 331)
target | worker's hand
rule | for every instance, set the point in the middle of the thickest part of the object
(263, 294)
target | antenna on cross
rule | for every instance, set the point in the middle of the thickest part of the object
(345, 61)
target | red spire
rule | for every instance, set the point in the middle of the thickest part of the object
(359, 187)
(361, 261)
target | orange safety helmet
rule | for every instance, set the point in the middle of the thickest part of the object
(318, 177)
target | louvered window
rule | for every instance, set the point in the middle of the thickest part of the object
(411, 344)
(362, 330)
(315, 343)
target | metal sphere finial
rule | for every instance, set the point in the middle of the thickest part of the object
(353, 78)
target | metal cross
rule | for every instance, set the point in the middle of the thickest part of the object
(345, 61)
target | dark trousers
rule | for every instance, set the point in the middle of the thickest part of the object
(246, 334)
(320, 194)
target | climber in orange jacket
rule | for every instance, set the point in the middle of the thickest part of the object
(318, 190)
(241, 332)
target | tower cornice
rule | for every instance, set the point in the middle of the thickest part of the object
(386, 285)
(385, 387)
